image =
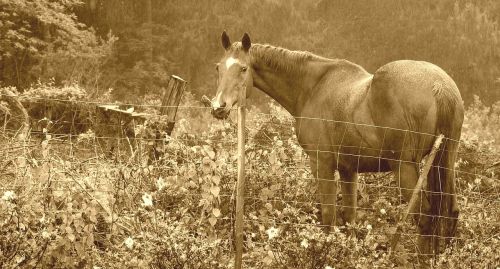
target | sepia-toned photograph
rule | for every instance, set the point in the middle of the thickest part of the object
(256, 134)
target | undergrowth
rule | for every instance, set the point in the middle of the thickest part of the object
(67, 204)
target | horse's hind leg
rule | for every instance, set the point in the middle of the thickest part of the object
(406, 177)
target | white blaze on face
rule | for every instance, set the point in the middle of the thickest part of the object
(230, 61)
(216, 102)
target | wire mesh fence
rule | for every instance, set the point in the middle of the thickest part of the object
(126, 193)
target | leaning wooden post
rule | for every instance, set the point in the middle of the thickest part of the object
(240, 185)
(171, 99)
(420, 183)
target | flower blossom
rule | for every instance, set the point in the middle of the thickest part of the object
(8, 196)
(160, 183)
(272, 233)
(304, 243)
(129, 242)
(147, 200)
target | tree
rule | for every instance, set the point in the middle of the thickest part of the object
(462, 37)
(39, 36)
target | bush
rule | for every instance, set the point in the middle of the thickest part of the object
(68, 205)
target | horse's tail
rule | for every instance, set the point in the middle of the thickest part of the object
(441, 184)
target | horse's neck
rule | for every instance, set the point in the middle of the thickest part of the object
(285, 87)
(289, 79)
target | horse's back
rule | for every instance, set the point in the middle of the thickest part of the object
(411, 83)
(410, 95)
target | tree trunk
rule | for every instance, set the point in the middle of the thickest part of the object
(92, 5)
(149, 22)
(47, 38)
(149, 45)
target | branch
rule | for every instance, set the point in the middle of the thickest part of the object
(17, 108)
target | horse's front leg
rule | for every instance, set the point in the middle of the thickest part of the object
(349, 195)
(322, 169)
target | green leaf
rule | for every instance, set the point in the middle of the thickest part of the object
(71, 237)
(191, 173)
(215, 190)
(216, 179)
(79, 248)
(90, 240)
(216, 212)
(93, 218)
(272, 157)
(209, 151)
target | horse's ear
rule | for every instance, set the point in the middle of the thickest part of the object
(245, 42)
(225, 40)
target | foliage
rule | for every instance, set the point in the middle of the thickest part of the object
(481, 126)
(144, 198)
(57, 109)
(71, 41)
(460, 36)
(68, 205)
(43, 40)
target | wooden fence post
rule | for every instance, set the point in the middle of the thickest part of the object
(171, 100)
(240, 185)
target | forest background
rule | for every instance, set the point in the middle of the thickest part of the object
(132, 47)
(79, 190)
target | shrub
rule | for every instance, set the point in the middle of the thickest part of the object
(68, 205)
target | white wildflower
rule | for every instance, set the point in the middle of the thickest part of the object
(304, 243)
(272, 233)
(96, 267)
(369, 227)
(382, 211)
(8, 196)
(147, 200)
(160, 183)
(329, 267)
(45, 235)
(129, 242)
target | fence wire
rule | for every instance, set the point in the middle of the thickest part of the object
(133, 175)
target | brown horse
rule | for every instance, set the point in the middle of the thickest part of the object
(352, 121)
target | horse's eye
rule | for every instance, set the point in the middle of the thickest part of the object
(217, 67)
(244, 68)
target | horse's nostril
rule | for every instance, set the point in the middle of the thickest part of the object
(223, 104)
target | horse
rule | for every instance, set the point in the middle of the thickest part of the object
(349, 121)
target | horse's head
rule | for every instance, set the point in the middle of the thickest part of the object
(234, 75)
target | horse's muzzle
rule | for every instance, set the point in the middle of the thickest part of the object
(220, 113)
(216, 111)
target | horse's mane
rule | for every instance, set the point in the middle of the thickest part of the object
(279, 58)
